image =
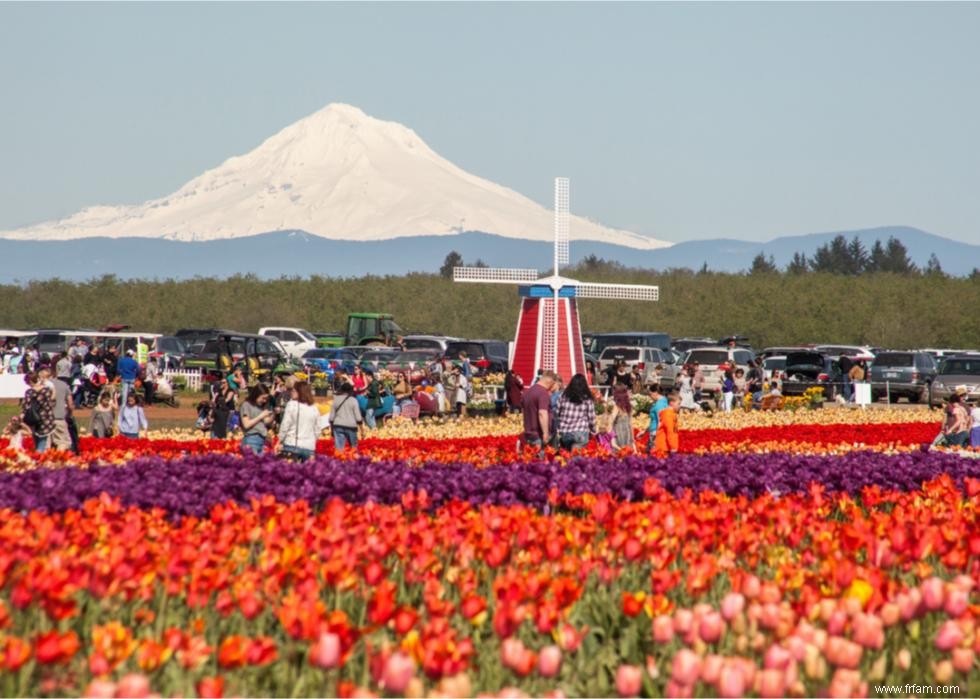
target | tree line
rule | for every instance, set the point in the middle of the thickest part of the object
(841, 256)
(882, 308)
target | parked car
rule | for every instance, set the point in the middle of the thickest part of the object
(957, 370)
(783, 350)
(377, 358)
(427, 342)
(295, 341)
(414, 363)
(685, 344)
(601, 341)
(646, 358)
(807, 369)
(772, 364)
(486, 356)
(329, 361)
(852, 351)
(169, 351)
(710, 360)
(257, 354)
(902, 374)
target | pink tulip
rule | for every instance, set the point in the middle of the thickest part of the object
(549, 661)
(663, 629)
(796, 647)
(771, 683)
(133, 686)
(843, 653)
(890, 614)
(711, 668)
(711, 628)
(943, 672)
(732, 605)
(769, 616)
(869, 631)
(511, 693)
(843, 683)
(680, 691)
(776, 658)
(325, 653)
(629, 680)
(964, 582)
(949, 635)
(683, 621)
(512, 650)
(751, 586)
(731, 681)
(100, 689)
(909, 604)
(957, 601)
(398, 672)
(837, 623)
(963, 660)
(932, 593)
(686, 667)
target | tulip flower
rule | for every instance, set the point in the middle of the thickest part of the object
(629, 680)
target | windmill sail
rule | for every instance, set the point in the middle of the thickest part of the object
(631, 292)
(493, 275)
(561, 222)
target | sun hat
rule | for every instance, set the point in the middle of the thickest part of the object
(961, 390)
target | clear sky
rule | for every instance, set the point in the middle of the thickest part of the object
(679, 121)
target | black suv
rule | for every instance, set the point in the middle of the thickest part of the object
(897, 374)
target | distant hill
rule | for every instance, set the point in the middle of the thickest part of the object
(297, 253)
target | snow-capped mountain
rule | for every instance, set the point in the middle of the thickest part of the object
(339, 174)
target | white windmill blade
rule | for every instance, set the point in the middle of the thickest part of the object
(494, 275)
(630, 292)
(561, 222)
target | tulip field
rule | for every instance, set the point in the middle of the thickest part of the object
(815, 553)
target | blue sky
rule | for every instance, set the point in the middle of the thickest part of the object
(680, 121)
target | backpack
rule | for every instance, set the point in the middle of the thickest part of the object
(32, 414)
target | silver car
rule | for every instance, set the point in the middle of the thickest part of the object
(647, 358)
(958, 370)
(710, 360)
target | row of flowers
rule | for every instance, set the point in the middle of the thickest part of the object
(813, 593)
(193, 485)
(488, 451)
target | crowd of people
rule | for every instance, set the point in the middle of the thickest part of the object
(570, 417)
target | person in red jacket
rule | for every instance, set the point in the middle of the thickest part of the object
(667, 439)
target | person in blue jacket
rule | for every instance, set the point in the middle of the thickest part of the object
(128, 370)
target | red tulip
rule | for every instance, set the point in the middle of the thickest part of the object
(211, 687)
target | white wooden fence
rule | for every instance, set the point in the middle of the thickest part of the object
(193, 378)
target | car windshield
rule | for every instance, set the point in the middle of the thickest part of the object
(421, 343)
(775, 363)
(376, 355)
(174, 345)
(308, 336)
(628, 355)
(474, 350)
(962, 367)
(896, 359)
(709, 357)
(316, 354)
(804, 359)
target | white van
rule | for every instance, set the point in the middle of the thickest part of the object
(295, 341)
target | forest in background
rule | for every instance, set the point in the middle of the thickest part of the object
(914, 309)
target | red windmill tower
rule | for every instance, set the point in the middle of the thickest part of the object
(548, 333)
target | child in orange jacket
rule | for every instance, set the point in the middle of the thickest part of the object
(667, 440)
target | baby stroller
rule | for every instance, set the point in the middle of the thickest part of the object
(205, 416)
(87, 391)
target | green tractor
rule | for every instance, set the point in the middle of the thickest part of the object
(363, 329)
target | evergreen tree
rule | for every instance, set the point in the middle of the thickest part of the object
(857, 257)
(823, 260)
(761, 265)
(453, 259)
(704, 268)
(897, 258)
(877, 260)
(933, 268)
(480, 263)
(798, 265)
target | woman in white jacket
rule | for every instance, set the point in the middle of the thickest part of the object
(300, 424)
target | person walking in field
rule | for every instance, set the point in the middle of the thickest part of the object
(536, 408)
(622, 418)
(658, 404)
(346, 421)
(667, 441)
(38, 410)
(575, 414)
(132, 419)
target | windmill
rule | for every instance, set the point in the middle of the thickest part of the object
(548, 333)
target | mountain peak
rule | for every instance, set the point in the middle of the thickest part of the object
(337, 173)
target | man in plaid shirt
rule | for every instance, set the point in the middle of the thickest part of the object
(575, 414)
